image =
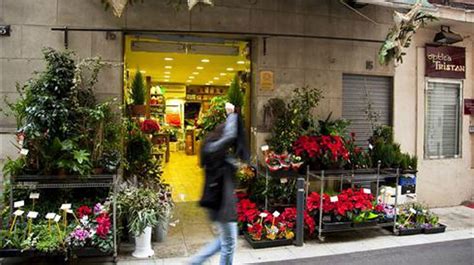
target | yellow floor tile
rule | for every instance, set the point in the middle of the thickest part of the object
(185, 176)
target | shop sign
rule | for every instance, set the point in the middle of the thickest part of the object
(469, 106)
(266, 80)
(445, 62)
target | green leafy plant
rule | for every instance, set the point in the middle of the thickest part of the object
(401, 33)
(49, 243)
(364, 216)
(59, 120)
(141, 207)
(138, 89)
(336, 127)
(214, 116)
(382, 148)
(234, 94)
(295, 120)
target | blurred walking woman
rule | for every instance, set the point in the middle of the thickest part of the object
(219, 153)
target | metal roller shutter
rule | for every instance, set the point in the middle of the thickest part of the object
(358, 91)
(442, 120)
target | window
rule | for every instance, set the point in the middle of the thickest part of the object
(358, 93)
(442, 119)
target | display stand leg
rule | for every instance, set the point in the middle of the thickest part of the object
(300, 211)
(340, 185)
(320, 226)
(307, 183)
(266, 189)
(12, 186)
(114, 214)
(378, 181)
(396, 203)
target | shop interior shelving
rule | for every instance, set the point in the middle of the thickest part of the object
(37, 182)
(354, 177)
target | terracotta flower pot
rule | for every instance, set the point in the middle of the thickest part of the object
(138, 110)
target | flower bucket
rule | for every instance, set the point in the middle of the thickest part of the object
(161, 231)
(143, 247)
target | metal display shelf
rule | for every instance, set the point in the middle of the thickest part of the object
(70, 182)
(379, 225)
(353, 177)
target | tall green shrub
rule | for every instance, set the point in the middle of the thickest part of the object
(235, 95)
(138, 89)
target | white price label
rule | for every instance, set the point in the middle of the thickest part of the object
(69, 211)
(265, 148)
(57, 218)
(34, 195)
(367, 191)
(18, 213)
(65, 206)
(18, 204)
(24, 151)
(276, 214)
(283, 180)
(413, 211)
(263, 215)
(50, 216)
(32, 215)
(334, 199)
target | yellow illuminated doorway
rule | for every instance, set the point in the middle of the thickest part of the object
(182, 75)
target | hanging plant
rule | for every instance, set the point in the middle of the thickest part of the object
(118, 6)
(401, 33)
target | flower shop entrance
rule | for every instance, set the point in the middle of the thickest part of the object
(185, 79)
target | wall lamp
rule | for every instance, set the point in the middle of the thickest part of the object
(446, 36)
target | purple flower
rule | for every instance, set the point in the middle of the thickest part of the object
(98, 208)
(80, 234)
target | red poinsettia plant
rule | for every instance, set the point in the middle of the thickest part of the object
(149, 126)
(324, 151)
(345, 205)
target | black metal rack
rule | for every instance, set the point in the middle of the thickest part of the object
(69, 182)
(354, 177)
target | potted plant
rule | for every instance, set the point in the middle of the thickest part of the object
(165, 212)
(141, 207)
(137, 95)
(432, 224)
(244, 175)
(151, 127)
(296, 162)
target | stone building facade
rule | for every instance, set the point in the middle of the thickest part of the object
(295, 61)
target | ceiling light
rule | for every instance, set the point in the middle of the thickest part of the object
(223, 74)
(168, 66)
(205, 60)
(167, 80)
(191, 77)
(240, 62)
(195, 73)
(228, 84)
(230, 69)
(188, 81)
(199, 67)
(168, 59)
(216, 78)
(208, 83)
(167, 76)
(167, 73)
(142, 71)
(211, 82)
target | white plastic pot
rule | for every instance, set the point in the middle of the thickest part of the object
(143, 247)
